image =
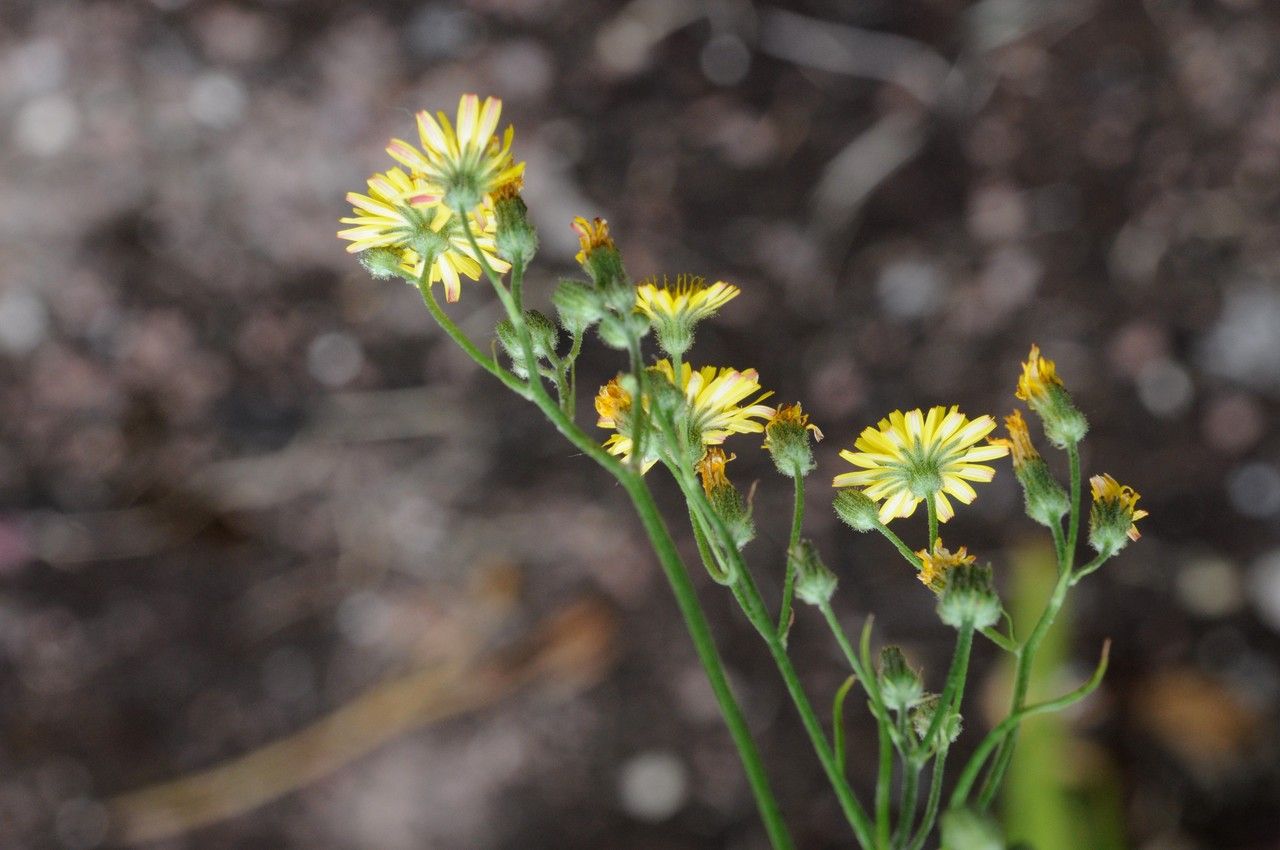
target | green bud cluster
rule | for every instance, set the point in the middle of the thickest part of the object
(815, 583)
(969, 597)
(900, 686)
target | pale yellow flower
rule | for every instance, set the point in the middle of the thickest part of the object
(466, 161)
(688, 300)
(717, 400)
(910, 456)
(396, 215)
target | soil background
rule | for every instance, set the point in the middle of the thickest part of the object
(245, 489)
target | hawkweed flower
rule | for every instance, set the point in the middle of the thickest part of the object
(909, 457)
(396, 217)
(724, 498)
(674, 310)
(714, 404)
(935, 565)
(1041, 388)
(1113, 515)
(464, 162)
(1046, 501)
(786, 438)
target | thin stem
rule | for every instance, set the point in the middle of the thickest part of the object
(970, 773)
(1073, 525)
(458, 336)
(785, 616)
(935, 797)
(672, 566)
(954, 689)
(837, 722)
(903, 549)
(932, 503)
(907, 805)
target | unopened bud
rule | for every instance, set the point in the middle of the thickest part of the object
(724, 498)
(815, 583)
(857, 510)
(969, 597)
(381, 263)
(922, 718)
(515, 237)
(1041, 388)
(786, 436)
(900, 686)
(578, 304)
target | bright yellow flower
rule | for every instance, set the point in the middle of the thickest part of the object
(1115, 504)
(689, 300)
(1019, 440)
(468, 160)
(911, 456)
(711, 469)
(1038, 375)
(591, 235)
(394, 216)
(715, 399)
(935, 565)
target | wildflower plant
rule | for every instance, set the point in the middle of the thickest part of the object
(453, 209)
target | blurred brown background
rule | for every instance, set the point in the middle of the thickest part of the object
(245, 490)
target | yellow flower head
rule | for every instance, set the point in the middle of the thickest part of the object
(688, 300)
(1115, 505)
(591, 235)
(715, 405)
(935, 565)
(398, 215)
(1038, 375)
(717, 400)
(789, 417)
(711, 469)
(1019, 440)
(910, 456)
(463, 162)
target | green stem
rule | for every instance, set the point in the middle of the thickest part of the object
(673, 568)
(456, 334)
(748, 596)
(837, 722)
(935, 797)
(789, 577)
(932, 503)
(902, 548)
(953, 692)
(1006, 727)
(907, 806)
(1073, 525)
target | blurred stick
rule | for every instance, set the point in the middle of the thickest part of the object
(570, 650)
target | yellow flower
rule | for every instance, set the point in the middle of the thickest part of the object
(385, 217)
(591, 235)
(398, 215)
(711, 469)
(935, 565)
(466, 162)
(1114, 507)
(689, 300)
(911, 456)
(716, 397)
(1018, 442)
(715, 405)
(1038, 375)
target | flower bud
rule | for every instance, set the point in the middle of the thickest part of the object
(1046, 501)
(613, 332)
(578, 305)
(786, 436)
(1042, 390)
(600, 258)
(381, 263)
(1113, 515)
(725, 499)
(515, 237)
(543, 333)
(965, 829)
(969, 597)
(922, 719)
(815, 583)
(900, 686)
(857, 510)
